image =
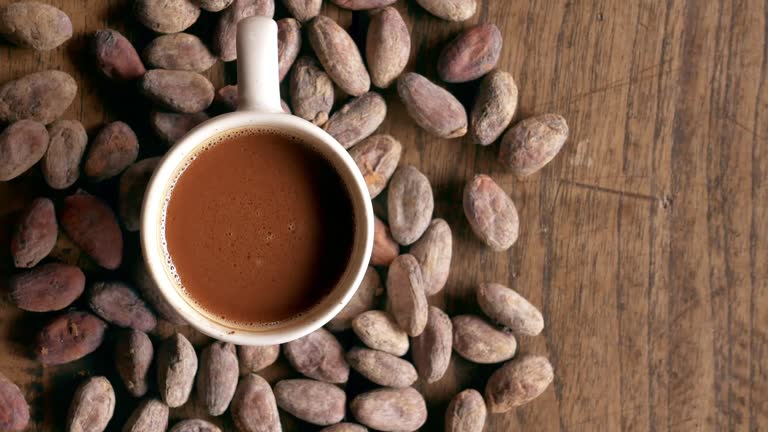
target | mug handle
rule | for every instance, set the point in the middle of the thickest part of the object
(258, 82)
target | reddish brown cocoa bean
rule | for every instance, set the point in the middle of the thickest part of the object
(494, 107)
(256, 358)
(14, 410)
(491, 213)
(533, 143)
(510, 309)
(364, 299)
(377, 157)
(194, 425)
(171, 127)
(22, 145)
(66, 251)
(311, 91)
(166, 16)
(339, 56)
(472, 54)
(150, 416)
(385, 248)
(133, 357)
(357, 120)
(226, 97)
(92, 406)
(40, 96)
(405, 290)
(61, 163)
(382, 368)
(432, 349)
(45, 288)
(451, 10)
(133, 183)
(35, 233)
(518, 382)
(69, 337)
(116, 57)
(253, 407)
(180, 91)
(362, 4)
(318, 355)
(113, 149)
(387, 47)
(118, 304)
(390, 409)
(303, 10)
(466, 412)
(225, 34)
(478, 341)
(31, 24)
(409, 205)
(431, 106)
(315, 402)
(92, 225)
(176, 369)
(379, 330)
(217, 377)
(179, 51)
(433, 251)
(345, 427)
(288, 44)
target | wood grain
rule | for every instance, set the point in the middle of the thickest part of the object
(643, 242)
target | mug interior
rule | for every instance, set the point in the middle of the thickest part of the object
(153, 237)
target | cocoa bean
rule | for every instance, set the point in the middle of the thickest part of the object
(432, 348)
(69, 337)
(510, 309)
(133, 184)
(431, 106)
(362, 4)
(345, 427)
(171, 127)
(533, 143)
(179, 51)
(213, 5)
(35, 233)
(48, 287)
(491, 213)
(66, 251)
(118, 304)
(517, 383)
(217, 378)
(226, 97)
(387, 46)
(390, 409)
(113, 149)
(472, 54)
(176, 369)
(451, 10)
(150, 416)
(22, 145)
(494, 107)
(288, 44)
(379, 330)
(314, 402)
(318, 355)
(357, 120)
(181, 91)
(478, 341)
(14, 410)
(256, 358)
(133, 357)
(466, 412)
(311, 91)
(303, 10)
(254, 408)
(92, 226)
(151, 294)
(61, 163)
(385, 248)
(194, 426)
(40, 96)
(377, 157)
(225, 34)
(92, 406)
(364, 299)
(116, 57)
(339, 56)
(405, 290)
(382, 368)
(31, 24)
(166, 16)
(409, 205)
(433, 251)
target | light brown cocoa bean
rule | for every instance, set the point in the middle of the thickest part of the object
(31, 24)
(377, 157)
(339, 56)
(494, 107)
(254, 408)
(518, 382)
(472, 54)
(432, 349)
(256, 358)
(118, 304)
(478, 341)
(288, 44)
(362, 4)
(385, 248)
(303, 10)
(35, 233)
(116, 57)
(365, 299)
(433, 251)
(311, 91)
(382, 368)
(533, 143)
(379, 330)
(61, 163)
(217, 378)
(390, 409)
(133, 357)
(150, 416)
(357, 119)
(166, 16)
(176, 369)
(345, 427)
(466, 412)
(451, 10)
(40, 96)
(225, 34)
(133, 183)
(14, 410)
(314, 402)
(194, 425)
(318, 355)
(151, 293)
(405, 291)
(181, 91)
(45, 288)
(171, 127)
(510, 309)
(432, 107)
(92, 406)
(387, 47)
(491, 213)
(409, 204)
(22, 145)
(179, 51)
(92, 225)
(113, 149)
(69, 337)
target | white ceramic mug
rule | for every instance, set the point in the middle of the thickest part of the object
(259, 107)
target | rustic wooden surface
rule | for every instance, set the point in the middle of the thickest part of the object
(643, 242)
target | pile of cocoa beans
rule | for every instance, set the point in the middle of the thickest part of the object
(69, 251)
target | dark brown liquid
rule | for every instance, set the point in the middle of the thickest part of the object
(259, 228)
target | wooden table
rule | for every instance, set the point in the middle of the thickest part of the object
(643, 243)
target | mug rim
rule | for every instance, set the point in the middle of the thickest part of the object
(310, 320)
